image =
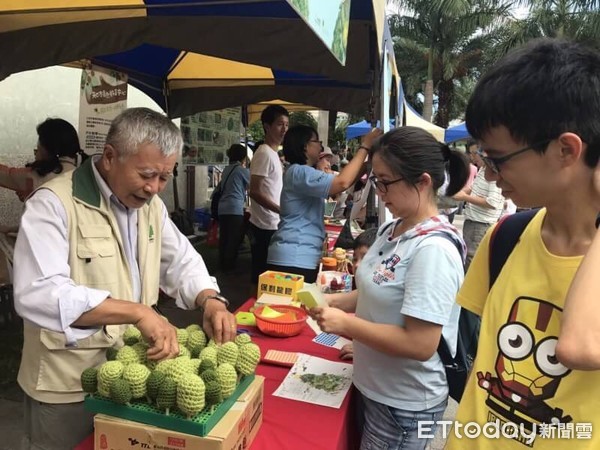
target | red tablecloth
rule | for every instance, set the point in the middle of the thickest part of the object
(289, 424)
(294, 425)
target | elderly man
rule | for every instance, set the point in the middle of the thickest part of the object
(95, 246)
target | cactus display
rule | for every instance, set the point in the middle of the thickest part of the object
(198, 380)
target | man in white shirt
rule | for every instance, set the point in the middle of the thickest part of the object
(485, 203)
(94, 247)
(266, 182)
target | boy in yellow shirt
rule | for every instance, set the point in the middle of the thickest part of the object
(536, 116)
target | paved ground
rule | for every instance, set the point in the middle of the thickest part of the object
(235, 286)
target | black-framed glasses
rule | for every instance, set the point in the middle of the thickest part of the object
(382, 185)
(494, 163)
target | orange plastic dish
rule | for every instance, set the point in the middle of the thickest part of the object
(282, 326)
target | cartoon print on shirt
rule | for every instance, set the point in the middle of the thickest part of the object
(385, 271)
(528, 373)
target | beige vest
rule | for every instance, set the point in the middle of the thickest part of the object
(50, 371)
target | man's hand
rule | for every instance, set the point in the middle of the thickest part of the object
(217, 322)
(159, 334)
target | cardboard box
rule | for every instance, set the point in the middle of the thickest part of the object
(236, 430)
(279, 283)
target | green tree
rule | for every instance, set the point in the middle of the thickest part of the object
(440, 42)
(256, 131)
(578, 20)
(303, 118)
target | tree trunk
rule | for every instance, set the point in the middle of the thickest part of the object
(428, 101)
(445, 98)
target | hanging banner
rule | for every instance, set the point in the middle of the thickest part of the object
(103, 96)
(208, 135)
(329, 20)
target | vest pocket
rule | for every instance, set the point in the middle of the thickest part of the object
(61, 366)
(97, 254)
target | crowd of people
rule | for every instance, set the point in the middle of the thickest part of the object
(96, 243)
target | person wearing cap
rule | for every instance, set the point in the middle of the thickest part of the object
(324, 162)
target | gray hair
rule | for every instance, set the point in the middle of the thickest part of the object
(139, 126)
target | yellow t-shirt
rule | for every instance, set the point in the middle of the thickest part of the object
(516, 378)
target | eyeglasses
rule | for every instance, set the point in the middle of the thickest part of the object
(494, 163)
(382, 185)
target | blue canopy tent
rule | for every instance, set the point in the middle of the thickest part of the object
(361, 128)
(456, 133)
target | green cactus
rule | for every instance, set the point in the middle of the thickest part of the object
(89, 380)
(209, 375)
(136, 375)
(195, 351)
(209, 353)
(182, 337)
(107, 373)
(153, 383)
(120, 391)
(248, 359)
(132, 336)
(164, 365)
(196, 338)
(214, 395)
(227, 379)
(183, 351)
(190, 394)
(167, 395)
(141, 348)
(243, 338)
(193, 327)
(206, 364)
(127, 355)
(227, 353)
(111, 353)
(180, 366)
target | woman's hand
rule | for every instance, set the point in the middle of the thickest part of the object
(347, 352)
(368, 139)
(330, 320)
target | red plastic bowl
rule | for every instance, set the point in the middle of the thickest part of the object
(279, 328)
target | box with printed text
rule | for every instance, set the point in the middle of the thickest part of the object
(237, 429)
(279, 283)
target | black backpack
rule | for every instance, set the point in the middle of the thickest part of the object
(503, 240)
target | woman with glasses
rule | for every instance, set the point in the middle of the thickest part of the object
(405, 301)
(297, 244)
(56, 152)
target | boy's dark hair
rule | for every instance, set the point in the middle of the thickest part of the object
(237, 152)
(272, 112)
(470, 143)
(410, 152)
(60, 139)
(295, 142)
(539, 91)
(366, 238)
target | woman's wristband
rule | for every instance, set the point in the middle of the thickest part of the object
(365, 147)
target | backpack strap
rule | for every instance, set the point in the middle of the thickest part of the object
(504, 238)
